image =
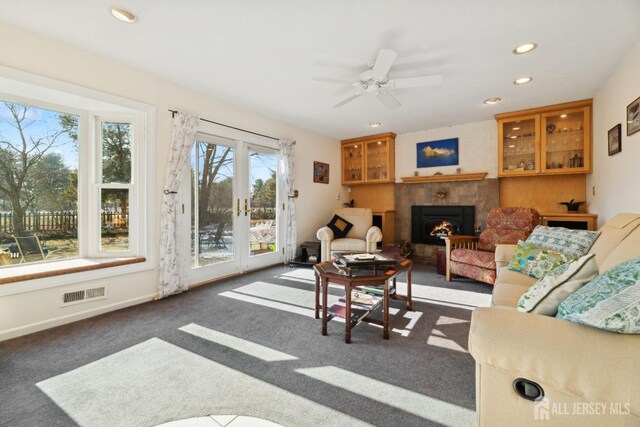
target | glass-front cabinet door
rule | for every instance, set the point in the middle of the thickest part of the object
(565, 141)
(352, 163)
(519, 143)
(377, 161)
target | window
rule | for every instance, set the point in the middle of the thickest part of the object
(38, 181)
(73, 177)
(116, 140)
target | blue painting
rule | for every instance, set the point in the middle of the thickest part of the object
(437, 153)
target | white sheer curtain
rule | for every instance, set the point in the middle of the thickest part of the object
(286, 180)
(173, 268)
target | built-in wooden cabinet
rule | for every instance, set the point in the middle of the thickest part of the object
(368, 159)
(548, 140)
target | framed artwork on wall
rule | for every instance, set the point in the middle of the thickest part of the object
(443, 152)
(321, 172)
(615, 139)
(633, 117)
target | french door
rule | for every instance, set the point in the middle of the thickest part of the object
(233, 208)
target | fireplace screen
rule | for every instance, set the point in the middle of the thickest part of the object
(429, 224)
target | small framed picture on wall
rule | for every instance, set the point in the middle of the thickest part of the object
(633, 117)
(321, 172)
(615, 139)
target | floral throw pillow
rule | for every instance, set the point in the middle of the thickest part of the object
(544, 296)
(611, 301)
(536, 261)
(574, 243)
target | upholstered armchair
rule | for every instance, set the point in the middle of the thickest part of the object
(474, 257)
(362, 237)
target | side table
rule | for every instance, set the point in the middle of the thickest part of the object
(327, 273)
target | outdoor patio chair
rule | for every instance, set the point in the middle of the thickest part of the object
(31, 249)
(218, 239)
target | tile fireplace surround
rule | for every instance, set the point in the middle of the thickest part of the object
(484, 195)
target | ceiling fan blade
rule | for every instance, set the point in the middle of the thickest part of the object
(420, 81)
(348, 100)
(332, 80)
(388, 100)
(384, 61)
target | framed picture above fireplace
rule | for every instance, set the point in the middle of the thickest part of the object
(443, 152)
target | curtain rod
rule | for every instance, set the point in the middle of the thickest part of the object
(173, 113)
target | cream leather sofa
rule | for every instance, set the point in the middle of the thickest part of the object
(363, 236)
(590, 377)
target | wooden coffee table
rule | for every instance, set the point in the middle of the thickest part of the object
(355, 278)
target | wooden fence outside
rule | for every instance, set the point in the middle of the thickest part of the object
(57, 222)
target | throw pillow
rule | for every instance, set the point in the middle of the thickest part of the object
(544, 296)
(574, 243)
(536, 261)
(339, 226)
(611, 301)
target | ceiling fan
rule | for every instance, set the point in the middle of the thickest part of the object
(376, 80)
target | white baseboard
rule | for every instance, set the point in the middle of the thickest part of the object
(62, 320)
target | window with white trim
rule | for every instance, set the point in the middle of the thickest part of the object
(72, 182)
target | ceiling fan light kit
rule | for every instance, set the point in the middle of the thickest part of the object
(376, 80)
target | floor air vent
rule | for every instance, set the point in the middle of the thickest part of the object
(82, 295)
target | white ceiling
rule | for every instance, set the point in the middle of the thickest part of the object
(263, 54)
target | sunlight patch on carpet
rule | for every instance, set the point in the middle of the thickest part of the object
(426, 407)
(155, 382)
(422, 293)
(247, 347)
(302, 302)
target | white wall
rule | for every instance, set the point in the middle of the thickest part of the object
(30, 311)
(616, 177)
(478, 145)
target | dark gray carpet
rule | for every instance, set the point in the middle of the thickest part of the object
(428, 379)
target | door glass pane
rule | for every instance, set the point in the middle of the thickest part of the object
(263, 173)
(565, 140)
(352, 162)
(116, 152)
(376, 160)
(114, 212)
(519, 145)
(212, 209)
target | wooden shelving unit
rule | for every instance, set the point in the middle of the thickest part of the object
(369, 159)
(551, 140)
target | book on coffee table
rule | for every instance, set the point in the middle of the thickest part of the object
(362, 259)
(340, 309)
(363, 299)
(378, 289)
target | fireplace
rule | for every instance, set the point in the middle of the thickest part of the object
(430, 223)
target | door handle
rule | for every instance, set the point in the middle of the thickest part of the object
(238, 208)
(246, 207)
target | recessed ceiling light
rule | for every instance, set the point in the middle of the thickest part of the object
(522, 81)
(524, 48)
(375, 124)
(492, 101)
(124, 15)
(563, 116)
(516, 128)
(513, 136)
(512, 146)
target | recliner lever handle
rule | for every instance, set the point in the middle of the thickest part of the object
(528, 389)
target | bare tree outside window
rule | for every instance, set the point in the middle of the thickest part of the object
(38, 174)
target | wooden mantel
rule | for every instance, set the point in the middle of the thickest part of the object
(476, 176)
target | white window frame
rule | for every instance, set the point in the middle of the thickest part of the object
(94, 238)
(92, 107)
